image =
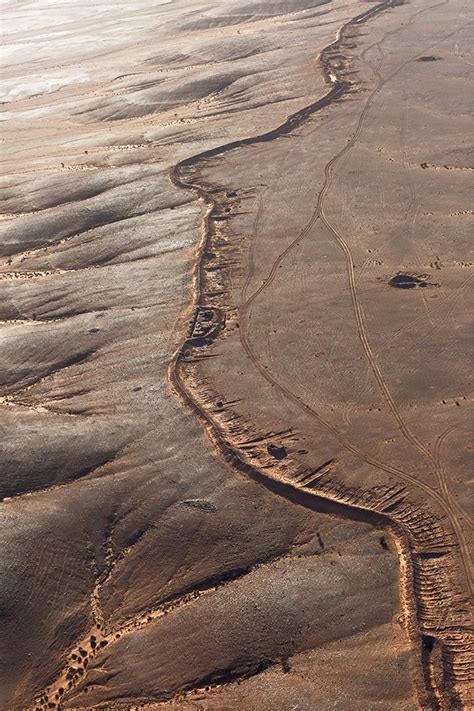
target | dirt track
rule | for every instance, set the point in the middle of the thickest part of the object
(188, 386)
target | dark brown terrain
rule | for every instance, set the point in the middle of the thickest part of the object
(235, 341)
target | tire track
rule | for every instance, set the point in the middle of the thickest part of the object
(357, 307)
(187, 389)
(319, 214)
(360, 321)
(442, 481)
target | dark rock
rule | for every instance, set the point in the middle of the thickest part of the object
(277, 451)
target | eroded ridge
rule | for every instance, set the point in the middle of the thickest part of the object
(433, 552)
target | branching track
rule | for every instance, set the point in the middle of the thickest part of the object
(442, 617)
(445, 500)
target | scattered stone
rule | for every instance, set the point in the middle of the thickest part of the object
(202, 504)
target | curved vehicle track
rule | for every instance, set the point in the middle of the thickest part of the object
(445, 500)
(439, 494)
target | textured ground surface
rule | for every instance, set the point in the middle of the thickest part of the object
(309, 546)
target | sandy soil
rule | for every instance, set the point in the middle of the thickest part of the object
(234, 337)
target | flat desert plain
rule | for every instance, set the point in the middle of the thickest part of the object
(235, 350)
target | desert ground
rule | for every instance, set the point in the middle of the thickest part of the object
(235, 355)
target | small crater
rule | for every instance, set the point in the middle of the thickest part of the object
(409, 281)
(277, 451)
(201, 504)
